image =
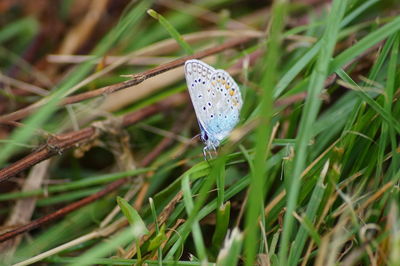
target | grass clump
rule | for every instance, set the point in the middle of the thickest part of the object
(309, 176)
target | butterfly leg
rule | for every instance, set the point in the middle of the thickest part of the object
(205, 153)
(214, 149)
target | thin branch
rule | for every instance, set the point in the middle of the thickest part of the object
(58, 144)
(108, 189)
(136, 79)
(63, 211)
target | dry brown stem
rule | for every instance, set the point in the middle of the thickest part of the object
(135, 79)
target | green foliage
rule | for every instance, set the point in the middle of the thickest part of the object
(309, 176)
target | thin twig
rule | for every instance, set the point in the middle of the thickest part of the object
(61, 212)
(59, 143)
(135, 79)
(108, 189)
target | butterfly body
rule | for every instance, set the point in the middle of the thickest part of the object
(216, 99)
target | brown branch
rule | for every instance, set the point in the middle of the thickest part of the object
(63, 211)
(136, 79)
(60, 143)
(129, 119)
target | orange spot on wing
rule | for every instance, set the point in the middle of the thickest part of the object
(231, 92)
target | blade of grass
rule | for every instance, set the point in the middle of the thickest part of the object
(172, 31)
(364, 96)
(308, 117)
(104, 248)
(129, 262)
(67, 197)
(263, 132)
(368, 41)
(385, 127)
(390, 91)
(88, 181)
(198, 238)
(312, 207)
(288, 77)
(133, 217)
(25, 26)
(230, 254)
(221, 227)
(154, 214)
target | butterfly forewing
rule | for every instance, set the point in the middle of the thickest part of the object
(198, 75)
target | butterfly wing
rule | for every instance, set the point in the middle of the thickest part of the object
(198, 75)
(227, 105)
(216, 99)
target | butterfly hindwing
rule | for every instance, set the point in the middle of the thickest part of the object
(229, 101)
(216, 99)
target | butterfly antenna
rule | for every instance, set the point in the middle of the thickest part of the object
(206, 152)
(198, 135)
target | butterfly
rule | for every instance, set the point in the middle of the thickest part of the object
(216, 99)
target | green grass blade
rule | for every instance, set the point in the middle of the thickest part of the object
(289, 76)
(390, 91)
(23, 26)
(312, 207)
(263, 132)
(172, 31)
(364, 96)
(133, 217)
(104, 248)
(309, 115)
(365, 43)
(222, 223)
(198, 238)
(154, 214)
(230, 254)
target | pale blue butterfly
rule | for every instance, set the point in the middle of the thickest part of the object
(216, 100)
